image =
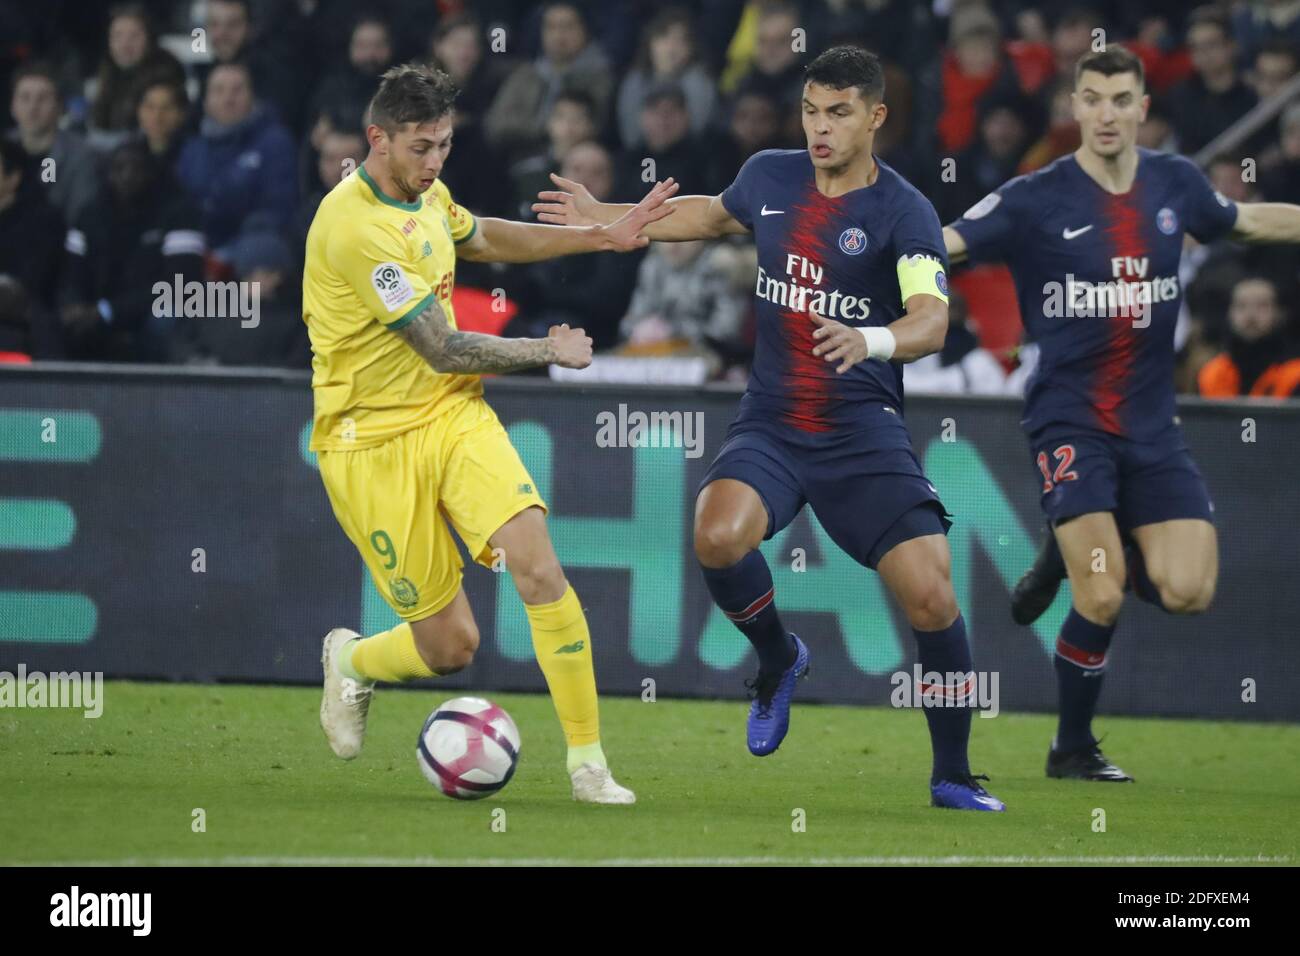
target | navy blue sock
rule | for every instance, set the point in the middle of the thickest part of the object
(744, 592)
(1080, 663)
(947, 652)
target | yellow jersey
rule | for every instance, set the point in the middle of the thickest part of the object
(374, 263)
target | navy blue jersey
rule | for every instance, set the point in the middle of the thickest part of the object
(840, 258)
(1097, 279)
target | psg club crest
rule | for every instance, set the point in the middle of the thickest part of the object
(941, 281)
(1167, 221)
(852, 241)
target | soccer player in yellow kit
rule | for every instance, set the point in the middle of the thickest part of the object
(406, 443)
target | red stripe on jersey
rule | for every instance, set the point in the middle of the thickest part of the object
(808, 377)
(1088, 660)
(1111, 382)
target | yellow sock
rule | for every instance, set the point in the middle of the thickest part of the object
(563, 647)
(389, 656)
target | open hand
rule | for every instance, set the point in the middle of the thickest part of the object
(571, 205)
(838, 342)
(625, 234)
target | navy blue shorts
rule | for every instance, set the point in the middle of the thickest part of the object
(863, 483)
(1142, 482)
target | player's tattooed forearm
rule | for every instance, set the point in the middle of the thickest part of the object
(470, 353)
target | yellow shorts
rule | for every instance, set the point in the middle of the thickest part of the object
(396, 500)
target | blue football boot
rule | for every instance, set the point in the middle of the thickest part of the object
(769, 714)
(964, 794)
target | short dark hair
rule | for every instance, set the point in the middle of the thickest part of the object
(41, 70)
(579, 98)
(1111, 61)
(366, 18)
(241, 65)
(177, 90)
(454, 22)
(843, 66)
(1210, 16)
(411, 93)
(1277, 46)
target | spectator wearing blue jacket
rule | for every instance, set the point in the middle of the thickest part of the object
(242, 160)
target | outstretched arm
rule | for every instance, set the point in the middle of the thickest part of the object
(503, 240)
(1267, 222)
(471, 353)
(694, 217)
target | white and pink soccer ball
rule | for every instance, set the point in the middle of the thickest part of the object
(468, 748)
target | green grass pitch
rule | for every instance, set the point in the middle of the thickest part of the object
(123, 788)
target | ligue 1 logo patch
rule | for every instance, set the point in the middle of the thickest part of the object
(852, 241)
(1166, 221)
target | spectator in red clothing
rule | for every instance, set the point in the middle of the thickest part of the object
(1062, 134)
(1008, 123)
(973, 67)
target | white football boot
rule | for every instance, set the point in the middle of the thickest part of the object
(346, 702)
(592, 784)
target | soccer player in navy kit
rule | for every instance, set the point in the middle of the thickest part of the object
(1093, 242)
(851, 284)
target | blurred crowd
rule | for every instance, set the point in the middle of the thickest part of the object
(154, 139)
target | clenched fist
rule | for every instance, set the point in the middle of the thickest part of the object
(570, 348)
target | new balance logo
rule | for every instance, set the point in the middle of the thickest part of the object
(1071, 233)
(770, 212)
(574, 648)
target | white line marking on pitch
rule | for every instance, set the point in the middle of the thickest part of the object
(656, 861)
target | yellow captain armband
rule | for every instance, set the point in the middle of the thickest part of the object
(922, 274)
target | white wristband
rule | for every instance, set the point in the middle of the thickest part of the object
(880, 342)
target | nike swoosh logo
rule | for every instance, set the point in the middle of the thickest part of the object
(771, 212)
(1071, 233)
(574, 648)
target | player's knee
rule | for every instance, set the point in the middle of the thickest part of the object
(720, 542)
(541, 581)
(1182, 595)
(1100, 599)
(452, 650)
(933, 606)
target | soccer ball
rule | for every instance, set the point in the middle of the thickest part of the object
(468, 748)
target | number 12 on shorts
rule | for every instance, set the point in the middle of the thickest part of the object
(1064, 455)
